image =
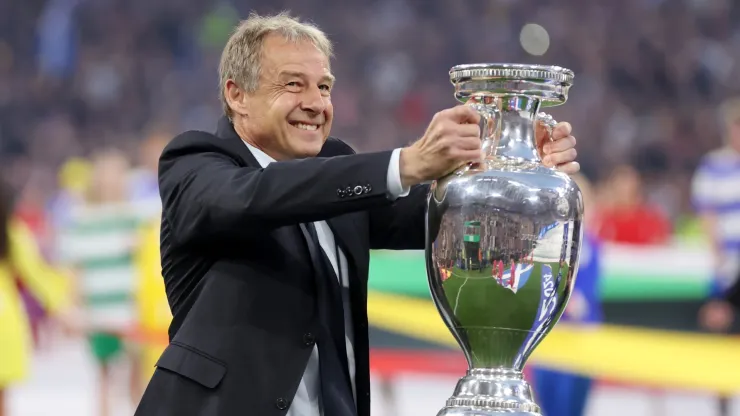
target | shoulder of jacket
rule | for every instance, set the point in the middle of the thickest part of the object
(193, 138)
(193, 142)
(336, 147)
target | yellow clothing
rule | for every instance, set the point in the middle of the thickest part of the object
(153, 309)
(47, 285)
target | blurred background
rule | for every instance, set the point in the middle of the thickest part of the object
(90, 92)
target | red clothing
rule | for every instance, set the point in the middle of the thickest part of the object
(639, 225)
(33, 217)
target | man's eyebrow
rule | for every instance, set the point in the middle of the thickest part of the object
(297, 74)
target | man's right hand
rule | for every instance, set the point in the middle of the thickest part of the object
(451, 140)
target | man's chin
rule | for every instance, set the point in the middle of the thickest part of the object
(309, 151)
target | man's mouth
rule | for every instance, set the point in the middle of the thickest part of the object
(304, 126)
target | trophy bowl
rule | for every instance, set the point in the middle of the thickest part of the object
(503, 237)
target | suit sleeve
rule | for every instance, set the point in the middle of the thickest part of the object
(206, 194)
(400, 226)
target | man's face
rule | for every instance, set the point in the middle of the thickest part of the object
(290, 114)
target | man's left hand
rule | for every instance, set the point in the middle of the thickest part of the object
(561, 151)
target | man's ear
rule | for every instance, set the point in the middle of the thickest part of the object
(236, 97)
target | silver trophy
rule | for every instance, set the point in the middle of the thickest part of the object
(503, 237)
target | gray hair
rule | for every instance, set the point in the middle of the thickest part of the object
(242, 55)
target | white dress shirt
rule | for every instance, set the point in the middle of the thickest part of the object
(307, 400)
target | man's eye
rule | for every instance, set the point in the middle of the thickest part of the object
(293, 84)
(325, 87)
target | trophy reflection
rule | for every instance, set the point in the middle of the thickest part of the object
(503, 238)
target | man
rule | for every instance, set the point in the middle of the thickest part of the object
(716, 197)
(266, 232)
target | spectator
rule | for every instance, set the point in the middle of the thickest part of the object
(21, 259)
(626, 217)
(716, 197)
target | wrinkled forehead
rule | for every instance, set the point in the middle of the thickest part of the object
(280, 55)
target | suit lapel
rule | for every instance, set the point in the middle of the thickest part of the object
(342, 228)
(312, 249)
(225, 132)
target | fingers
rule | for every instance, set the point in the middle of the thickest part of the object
(474, 156)
(559, 145)
(463, 114)
(560, 158)
(561, 130)
(468, 131)
(561, 152)
(570, 168)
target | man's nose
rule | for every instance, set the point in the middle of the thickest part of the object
(313, 100)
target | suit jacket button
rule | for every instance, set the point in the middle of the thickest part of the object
(340, 193)
(309, 339)
(358, 190)
(348, 191)
(281, 403)
(368, 188)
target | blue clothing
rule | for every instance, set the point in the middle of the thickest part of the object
(561, 394)
(587, 281)
(564, 394)
(716, 190)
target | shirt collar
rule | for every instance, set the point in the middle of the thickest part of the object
(262, 158)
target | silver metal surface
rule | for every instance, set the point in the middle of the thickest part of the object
(549, 83)
(503, 238)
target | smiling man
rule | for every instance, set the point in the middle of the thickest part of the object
(267, 228)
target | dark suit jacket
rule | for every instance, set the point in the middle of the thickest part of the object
(239, 277)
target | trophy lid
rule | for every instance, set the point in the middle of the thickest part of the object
(549, 83)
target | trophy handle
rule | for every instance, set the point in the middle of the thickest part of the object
(490, 125)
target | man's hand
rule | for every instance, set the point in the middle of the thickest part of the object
(561, 151)
(451, 140)
(716, 316)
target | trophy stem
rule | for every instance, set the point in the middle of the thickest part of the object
(491, 391)
(509, 123)
(516, 139)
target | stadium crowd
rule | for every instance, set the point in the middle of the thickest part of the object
(87, 82)
(78, 75)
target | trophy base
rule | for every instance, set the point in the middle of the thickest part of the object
(448, 411)
(491, 391)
